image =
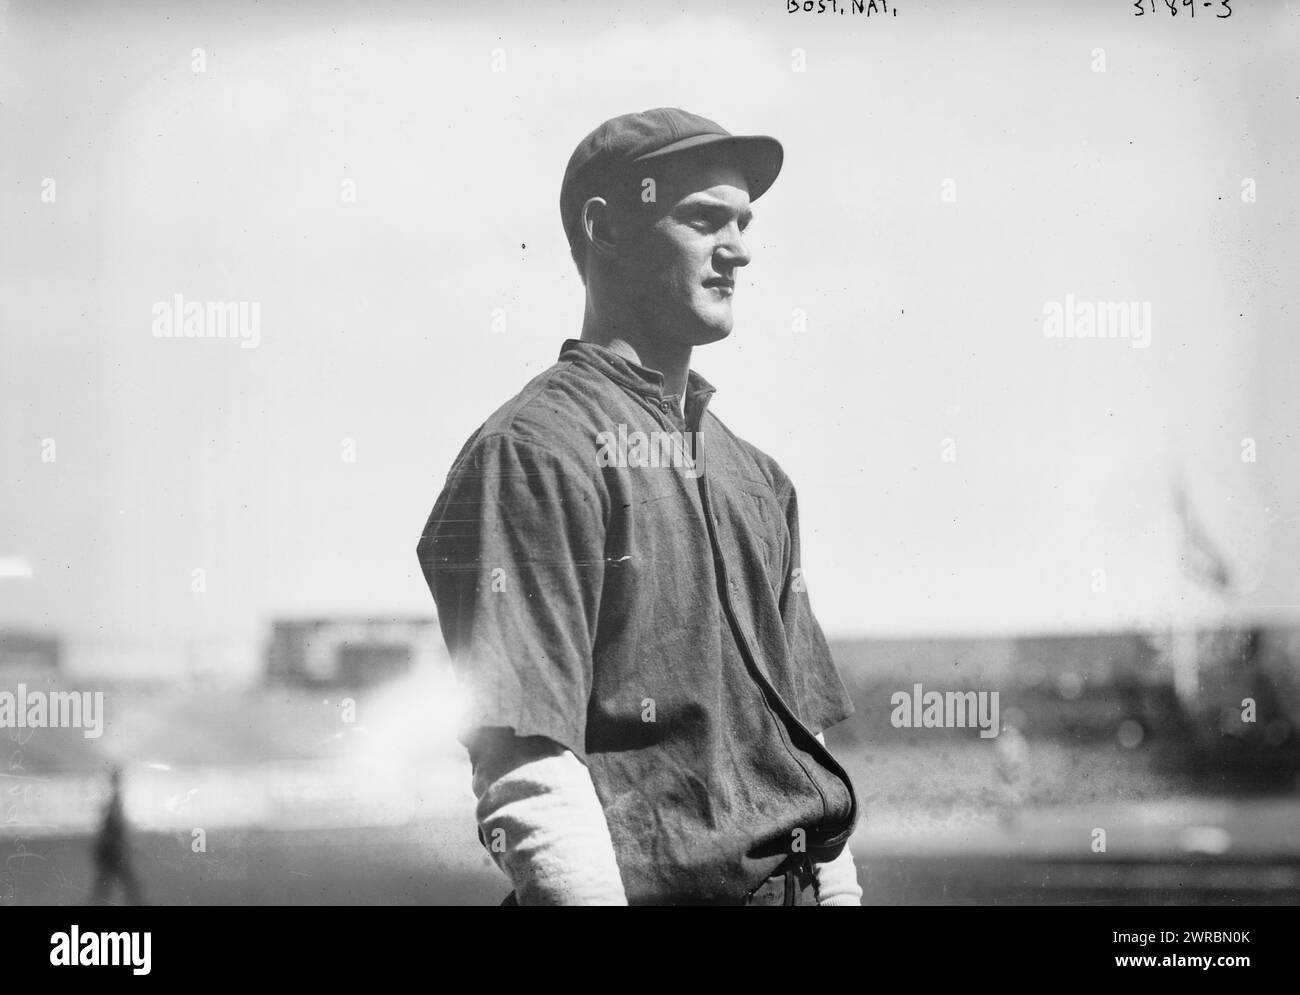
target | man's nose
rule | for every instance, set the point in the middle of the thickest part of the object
(732, 249)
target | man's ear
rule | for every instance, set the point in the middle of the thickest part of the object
(598, 226)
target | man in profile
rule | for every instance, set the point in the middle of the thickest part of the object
(618, 579)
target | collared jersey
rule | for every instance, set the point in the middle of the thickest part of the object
(625, 581)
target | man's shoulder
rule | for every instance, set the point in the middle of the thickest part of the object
(556, 414)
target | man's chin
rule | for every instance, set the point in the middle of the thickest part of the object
(693, 327)
(712, 330)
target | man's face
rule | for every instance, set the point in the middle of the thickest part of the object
(680, 271)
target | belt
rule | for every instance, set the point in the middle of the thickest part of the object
(796, 884)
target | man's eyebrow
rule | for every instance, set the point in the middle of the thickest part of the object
(713, 206)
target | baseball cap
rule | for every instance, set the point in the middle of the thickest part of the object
(620, 142)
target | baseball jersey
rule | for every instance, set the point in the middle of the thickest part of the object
(624, 579)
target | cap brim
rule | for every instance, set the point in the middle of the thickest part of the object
(759, 156)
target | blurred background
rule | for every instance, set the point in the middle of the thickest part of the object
(218, 533)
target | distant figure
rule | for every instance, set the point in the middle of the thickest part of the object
(113, 850)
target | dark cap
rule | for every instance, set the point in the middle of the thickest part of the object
(633, 138)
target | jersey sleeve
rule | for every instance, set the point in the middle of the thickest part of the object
(513, 554)
(826, 701)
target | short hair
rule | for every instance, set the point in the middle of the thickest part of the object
(578, 250)
(619, 187)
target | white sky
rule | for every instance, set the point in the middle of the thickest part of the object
(924, 318)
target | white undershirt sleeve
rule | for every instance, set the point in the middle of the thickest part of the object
(543, 822)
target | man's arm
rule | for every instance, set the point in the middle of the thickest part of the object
(543, 822)
(514, 553)
(546, 829)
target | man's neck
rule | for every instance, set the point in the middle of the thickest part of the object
(671, 359)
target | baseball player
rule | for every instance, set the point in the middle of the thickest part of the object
(618, 580)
